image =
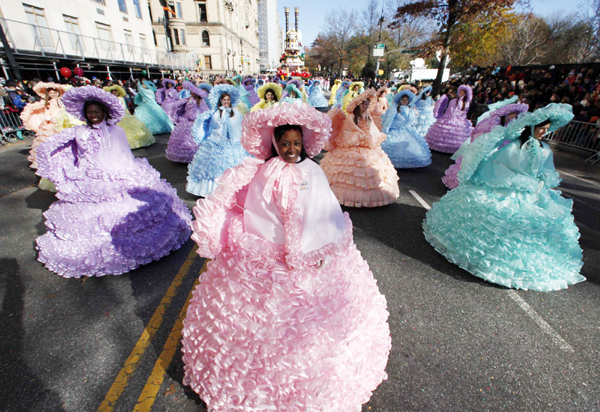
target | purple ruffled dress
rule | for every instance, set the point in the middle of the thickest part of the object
(114, 212)
(181, 147)
(452, 127)
(167, 99)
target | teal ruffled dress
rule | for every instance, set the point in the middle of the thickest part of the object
(149, 112)
(505, 223)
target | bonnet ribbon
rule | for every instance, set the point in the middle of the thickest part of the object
(283, 174)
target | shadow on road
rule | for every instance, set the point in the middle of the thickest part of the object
(16, 378)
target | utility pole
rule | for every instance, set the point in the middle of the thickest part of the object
(381, 19)
(11, 58)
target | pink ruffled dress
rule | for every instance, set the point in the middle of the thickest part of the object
(288, 316)
(380, 108)
(358, 170)
(41, 120)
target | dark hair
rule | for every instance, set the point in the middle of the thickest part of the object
(97, 103)
(280, 131)
(274, 94)
(526, 134)
(231, 114)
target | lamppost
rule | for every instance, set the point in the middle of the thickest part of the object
(228, 53)
(233, 58)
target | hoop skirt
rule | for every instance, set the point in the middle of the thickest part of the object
(167, 99)
(150, 113)
(404, 146)
(425, 118)
(219, 149)
(450, 130)
(40, 120)
(114, 212)
(316, 98)
(504, 223)
(138, 135)
(181, 147)
(268, 331)
(359, 172)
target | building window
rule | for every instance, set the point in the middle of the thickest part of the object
(154, 38)
(105, 36)
(129, 41)
(207, 63)
(176, 37)
(205, 39)
(202, 10)
(143, 42)
(37, 17)
(103, 2)
(178, 11)
(138, 9)
(122, 6)
(72, 25)
(182, 36)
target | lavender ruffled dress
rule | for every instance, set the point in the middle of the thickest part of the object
(114, 212)
(181, 147)
(452, 127)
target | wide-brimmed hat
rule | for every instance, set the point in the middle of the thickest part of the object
(559, 115)
(406, 92)
(198, 91)
(367, 94)
(166, 81)
(116, 87)
(258, 128)
(41, 88)
(262, 90)
(75, 99)
(218, 90)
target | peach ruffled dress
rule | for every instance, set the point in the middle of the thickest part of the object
(359, 172)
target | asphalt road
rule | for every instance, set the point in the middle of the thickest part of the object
(459, 343)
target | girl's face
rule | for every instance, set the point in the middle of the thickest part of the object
(356, 88)
(540, 131)
(364, 106)
(270, 96)
(95, 114)
(289, 146)
(53, 94)
(404, 100)
(293, 94)
(114, 93)
(510, 117)
(169, 85)
(462, 93)
(226, 100)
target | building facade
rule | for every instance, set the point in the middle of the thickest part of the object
(98, 34)
(270, 35)
(223, 33)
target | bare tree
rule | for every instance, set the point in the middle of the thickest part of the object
(368, 24)
(341, 27)
(527, 43)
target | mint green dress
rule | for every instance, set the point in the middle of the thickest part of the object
(506, 223)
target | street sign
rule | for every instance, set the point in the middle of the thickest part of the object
(381, 59)
(378, 50)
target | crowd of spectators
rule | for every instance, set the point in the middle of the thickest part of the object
(536, 87)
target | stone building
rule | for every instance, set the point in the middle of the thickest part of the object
(223, 33)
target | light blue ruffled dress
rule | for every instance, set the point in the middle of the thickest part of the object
(219, 137)
(316, 97)
(149, 112)
(505, 222)
(425, 119)
(405, 147)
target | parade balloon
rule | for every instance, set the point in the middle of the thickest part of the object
(78, 71)
(66, 72)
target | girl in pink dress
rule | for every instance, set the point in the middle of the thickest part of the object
(288, 316)
(40, 117)
(358, 170)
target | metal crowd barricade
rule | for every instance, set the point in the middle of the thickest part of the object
(11, 127)
(580, 135)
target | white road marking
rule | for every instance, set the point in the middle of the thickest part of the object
(591, 182)
(546, 328)
(420, 199)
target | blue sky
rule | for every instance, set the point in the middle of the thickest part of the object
(312, 12)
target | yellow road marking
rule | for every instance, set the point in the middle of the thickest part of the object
(150, 330)
(156, 378)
